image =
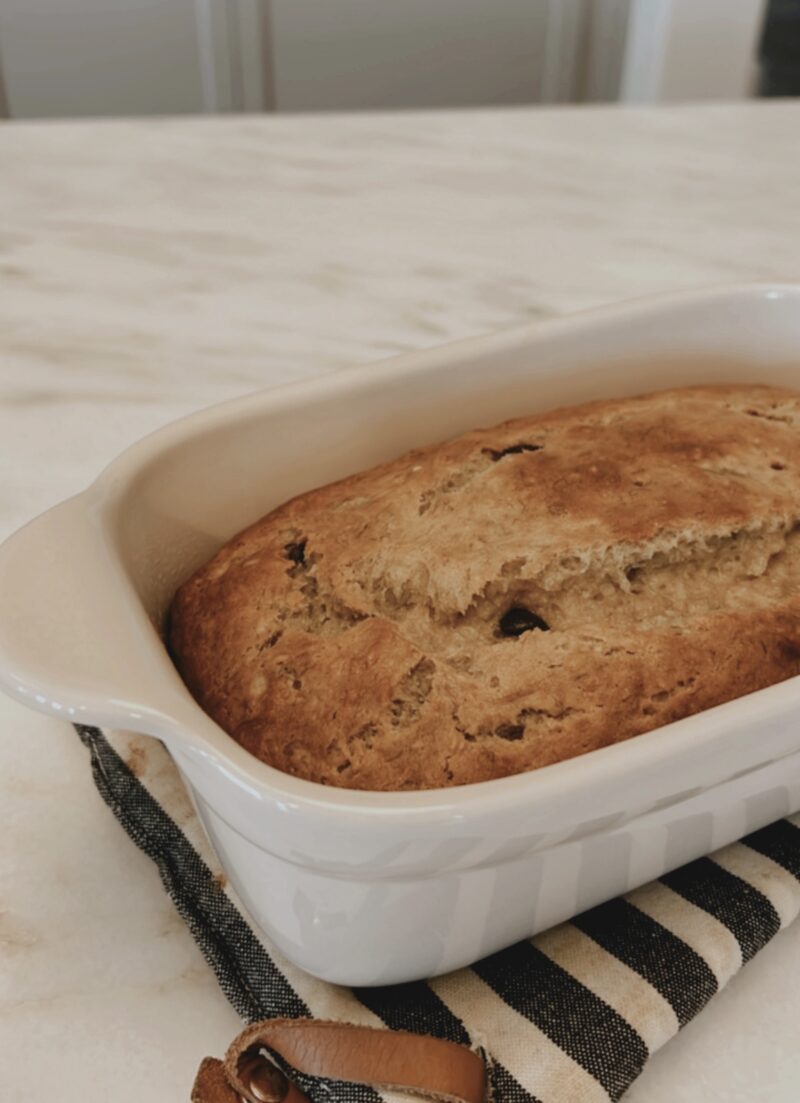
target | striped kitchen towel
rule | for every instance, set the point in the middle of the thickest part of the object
(570, 1016)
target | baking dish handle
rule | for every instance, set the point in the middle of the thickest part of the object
(75, 640)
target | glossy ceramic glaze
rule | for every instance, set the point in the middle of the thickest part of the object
(364, 888)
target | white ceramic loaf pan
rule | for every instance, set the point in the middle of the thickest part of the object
(369, 888)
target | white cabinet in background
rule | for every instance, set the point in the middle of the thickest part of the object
(100, 57)
(140, 57)
(406, 53)
(143, 57)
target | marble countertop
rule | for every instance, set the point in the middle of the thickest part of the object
(148, 268)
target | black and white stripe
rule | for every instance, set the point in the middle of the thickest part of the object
(580, 1023)
(745, 911)
(568, 1017)
(780, 842)
(662, 959)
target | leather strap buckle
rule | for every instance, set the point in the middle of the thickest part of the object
(428, 1067)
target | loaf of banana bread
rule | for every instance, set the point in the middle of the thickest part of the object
(510, 598)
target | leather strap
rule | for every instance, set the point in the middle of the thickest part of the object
(428, 1067)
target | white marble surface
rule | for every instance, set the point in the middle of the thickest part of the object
(149, 268)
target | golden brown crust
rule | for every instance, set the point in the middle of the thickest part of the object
(353, 636)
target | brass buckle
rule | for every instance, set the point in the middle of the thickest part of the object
(262, 1080)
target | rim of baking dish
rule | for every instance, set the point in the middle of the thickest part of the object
(196, 735)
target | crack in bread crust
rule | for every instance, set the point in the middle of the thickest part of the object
(647, 551)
